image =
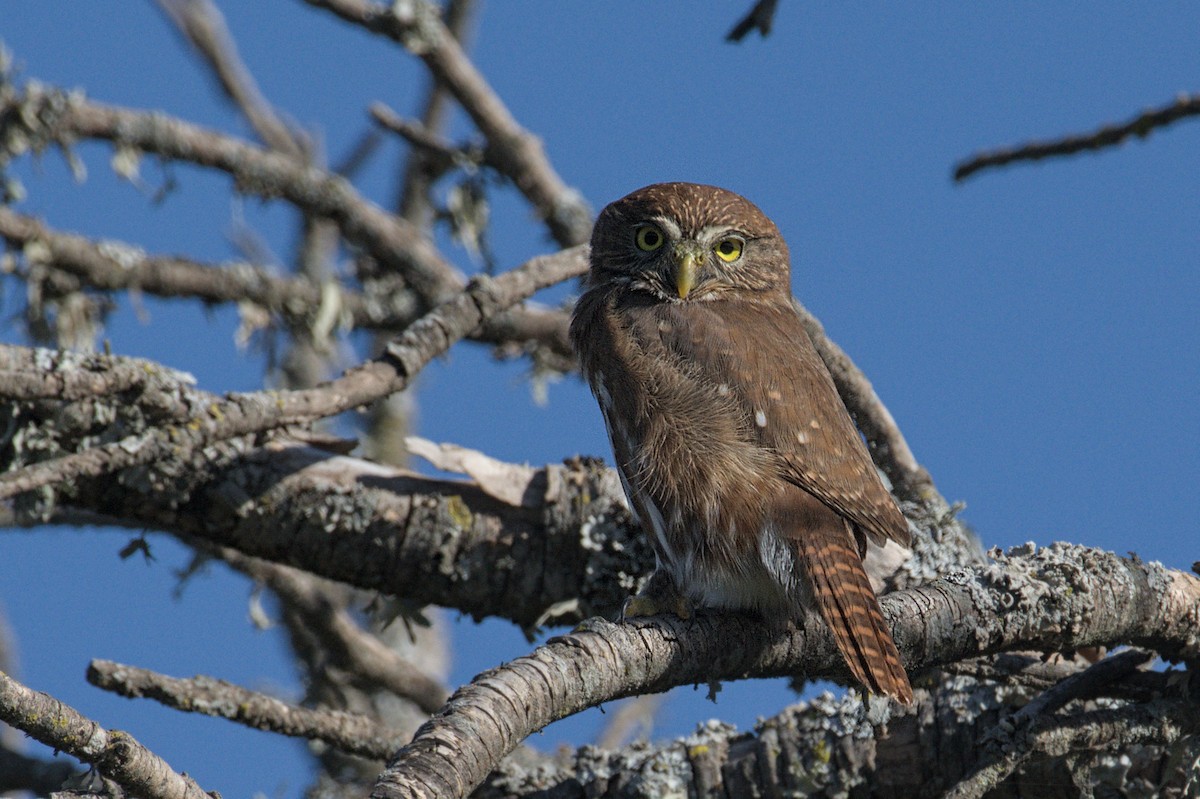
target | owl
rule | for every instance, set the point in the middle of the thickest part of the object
(735, 451)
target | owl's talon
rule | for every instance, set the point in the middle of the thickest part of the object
(639, 606)
(657, 597)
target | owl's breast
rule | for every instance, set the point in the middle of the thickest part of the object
(683, 443)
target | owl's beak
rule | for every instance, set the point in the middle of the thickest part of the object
(687, 264)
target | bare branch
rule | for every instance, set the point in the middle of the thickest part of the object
(203, 25)
(382, 305)
(760, 17)
(52, 116)
(413, 201)
(116, 754)
(212, 697)
(241, 414)
(1052, 599)
(346, 644)
(515, 152)
(1141, 126)
(439, 152)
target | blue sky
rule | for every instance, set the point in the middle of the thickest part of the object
(1034, 331)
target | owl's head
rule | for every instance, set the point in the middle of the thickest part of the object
(687, 242)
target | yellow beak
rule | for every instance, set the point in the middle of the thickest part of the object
(687, 263)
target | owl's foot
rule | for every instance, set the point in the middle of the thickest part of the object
(658, 596)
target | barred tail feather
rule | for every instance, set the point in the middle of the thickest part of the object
(844, 598)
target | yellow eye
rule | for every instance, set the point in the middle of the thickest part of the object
(649, 238)
(728, 250)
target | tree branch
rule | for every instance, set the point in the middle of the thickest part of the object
(43, 116)
(1016, 738)
(382, 305)
(348, 732)
(1056, 598)
(1141, 126)
(346, 644)
(201, 23)
(515, 152)
(242, 414)
(116, 754)
(439, 152)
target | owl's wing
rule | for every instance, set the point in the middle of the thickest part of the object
(761, 354)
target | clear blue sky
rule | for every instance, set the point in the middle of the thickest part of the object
(1034, 331)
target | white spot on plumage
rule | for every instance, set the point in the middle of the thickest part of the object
(814, 424)
(801, 437)
(723, 389)
(760, 418)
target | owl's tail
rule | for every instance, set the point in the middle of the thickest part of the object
(843, 596)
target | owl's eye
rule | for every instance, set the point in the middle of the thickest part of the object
(728, 250)
(648, 238)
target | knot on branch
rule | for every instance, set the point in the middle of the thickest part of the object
(420, 28)
(30, 119)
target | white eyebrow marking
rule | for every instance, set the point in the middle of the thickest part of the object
(668, 225)
(709, 232)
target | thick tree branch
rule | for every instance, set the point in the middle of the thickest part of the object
(1141, 126)
(242, 414)
(515, 152)
(116, 754)
(1053, 599)
(552, 543)
(835, 746)
(211, 697)
(1015, 739)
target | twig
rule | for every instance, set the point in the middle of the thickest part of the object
(632, 714)
(420, 171)
(348, 732)
(346, 644)
(241, 414)
(50, 115)
(966, 614)
(1017, 737)
(1142, 125)
(203, 25)
(514, 151)
(760, 17)
(116, 754)
(439, 153)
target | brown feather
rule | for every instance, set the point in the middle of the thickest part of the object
(838, 586)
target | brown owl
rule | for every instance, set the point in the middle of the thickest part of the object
(735, 450)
